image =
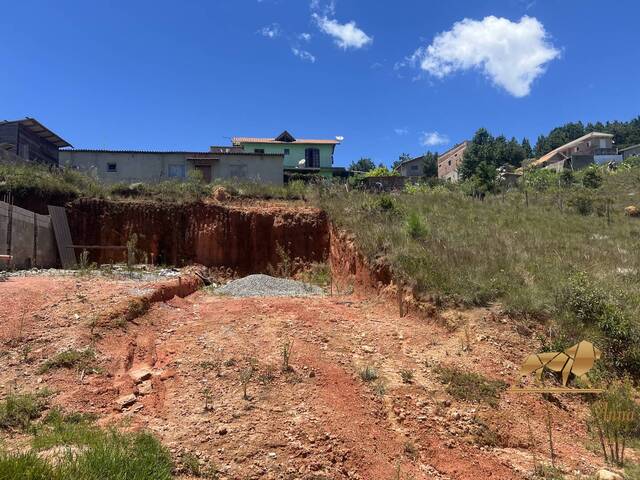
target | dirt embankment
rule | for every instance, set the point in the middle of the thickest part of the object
(243, 238)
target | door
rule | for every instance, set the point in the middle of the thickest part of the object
(205, 170)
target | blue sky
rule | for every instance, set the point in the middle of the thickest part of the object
(390, 76)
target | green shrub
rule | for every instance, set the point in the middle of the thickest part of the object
(584, 308)
(592, 178)
(469, 386)
(17, 411)
(368, 374)
(615, 420)
(582, 203)
(415, 226)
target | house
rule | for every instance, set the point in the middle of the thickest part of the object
(300, 154)
(31, 141)
(632, 151)
(411, 167)
(449, 162)
(594, 147)
(115, 166)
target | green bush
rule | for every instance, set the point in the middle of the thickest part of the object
(470, 386)
(415, 226)
(592, 178)
(17, 411)
(582, 203)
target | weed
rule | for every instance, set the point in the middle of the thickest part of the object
(317, 274)
(406, 375)
(268, 375)
(286, 350)
(410, 450)
(368, 374)
(380, 389)
(285, 266)
(245, 377)
(615, 418)
(230, 362)
(470, 386)
(415, 226)
(80, 360)
(207, 399)
(17, 411)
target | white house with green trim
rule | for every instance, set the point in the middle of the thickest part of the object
(300, 154)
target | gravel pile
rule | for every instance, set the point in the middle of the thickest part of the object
(266, 286)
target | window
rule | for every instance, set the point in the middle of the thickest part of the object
(259, 150)
(286, 151)
(177, 171)
(112, 167)
(312, 157)
(414, 168)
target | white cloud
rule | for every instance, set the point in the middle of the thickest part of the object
(346, 35)
(306, 37)
(270, 31)
(324, 7)
(303, 54)
(432, 139)
(401, 130)
(511, 54)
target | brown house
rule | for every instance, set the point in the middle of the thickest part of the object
(450, 160)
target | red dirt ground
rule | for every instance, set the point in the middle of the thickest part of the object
(318, 421)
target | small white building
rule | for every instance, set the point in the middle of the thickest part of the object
(130, 166)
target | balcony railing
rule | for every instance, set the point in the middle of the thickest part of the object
(605, 151)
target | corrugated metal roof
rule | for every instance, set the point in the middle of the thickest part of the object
(43, 132)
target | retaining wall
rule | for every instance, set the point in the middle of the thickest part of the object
(28, 237)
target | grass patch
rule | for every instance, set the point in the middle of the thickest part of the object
(98, 453)
(17, 411)
(80, 360)
(368, 374)
(470, 387)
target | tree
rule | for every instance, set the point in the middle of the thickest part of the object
(402, 158)
(526, 147)
(480, 150)
(430, 165)
(362, 165)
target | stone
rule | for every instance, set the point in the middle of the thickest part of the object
(368, 349)
(140, 374)
(126, 400)
(145, 388)
(222, 431)
(604, 474)
(632, 211)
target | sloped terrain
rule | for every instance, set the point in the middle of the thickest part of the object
(178, 369)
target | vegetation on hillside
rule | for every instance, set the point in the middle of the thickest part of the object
(559, 237)
(624, 134)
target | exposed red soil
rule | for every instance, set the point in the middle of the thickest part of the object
(318, 421)
(242, 237)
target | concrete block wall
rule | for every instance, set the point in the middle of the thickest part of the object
(28, 237)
